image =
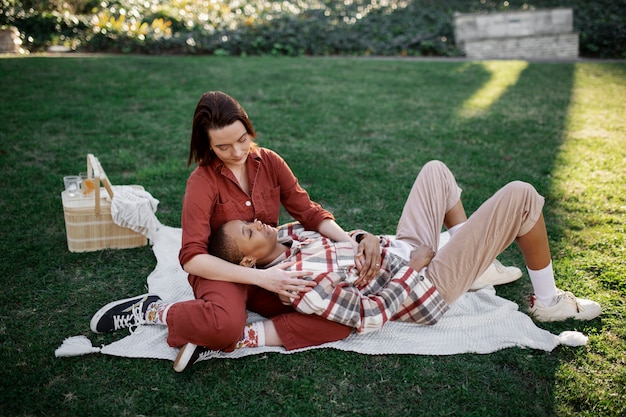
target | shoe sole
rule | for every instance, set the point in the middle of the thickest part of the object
(184, 357)
(96, 317)
(551, 319)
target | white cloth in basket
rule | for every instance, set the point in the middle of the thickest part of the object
(134, 208)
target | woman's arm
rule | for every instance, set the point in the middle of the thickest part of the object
(333, 231)
(273, 279)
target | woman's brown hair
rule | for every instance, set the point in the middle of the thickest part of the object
(215, 110)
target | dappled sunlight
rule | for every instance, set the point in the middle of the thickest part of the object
(589, 177)
(504, 75)
(593, 153)
(588, 198)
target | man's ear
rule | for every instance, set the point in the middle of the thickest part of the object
(248, 261)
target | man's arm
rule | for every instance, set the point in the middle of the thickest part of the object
(421, 257)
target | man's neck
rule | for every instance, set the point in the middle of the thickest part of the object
(279, 249)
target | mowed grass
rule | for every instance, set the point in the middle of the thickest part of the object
(355, 132)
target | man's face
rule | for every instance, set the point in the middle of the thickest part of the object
(253, 238)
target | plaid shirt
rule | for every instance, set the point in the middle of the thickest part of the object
(397, 293)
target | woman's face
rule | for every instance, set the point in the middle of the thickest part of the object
(231, 144)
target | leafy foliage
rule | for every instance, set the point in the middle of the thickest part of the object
(291, 27)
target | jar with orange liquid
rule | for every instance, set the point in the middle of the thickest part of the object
(87, 184)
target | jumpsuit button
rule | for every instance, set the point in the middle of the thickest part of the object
(248, 203)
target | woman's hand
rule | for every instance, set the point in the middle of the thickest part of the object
(286, 284)
(421, 257)
(367, 259)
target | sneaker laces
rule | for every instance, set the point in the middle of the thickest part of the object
(557, 299)
(138, 315)
(498, 265)
(203, 354)
(568, 295)
(130, 321)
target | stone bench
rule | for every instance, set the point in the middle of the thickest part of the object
(9, 40)
(534, 34)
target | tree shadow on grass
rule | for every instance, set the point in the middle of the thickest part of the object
(522, 131)
(516, 136)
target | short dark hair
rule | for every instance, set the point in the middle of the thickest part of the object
(225, 247)
(215, 110)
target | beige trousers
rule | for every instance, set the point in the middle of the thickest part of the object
(509, 213)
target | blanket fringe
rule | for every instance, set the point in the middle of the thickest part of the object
(572, 338)
(75, 346)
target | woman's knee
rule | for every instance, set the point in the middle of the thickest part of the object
(223, 328)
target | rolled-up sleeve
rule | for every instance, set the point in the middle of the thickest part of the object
(198, 205)
(213, 197)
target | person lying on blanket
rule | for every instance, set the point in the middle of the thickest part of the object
(513, 213)
(398, 292)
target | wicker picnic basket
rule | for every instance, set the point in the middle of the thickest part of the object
(88, 222)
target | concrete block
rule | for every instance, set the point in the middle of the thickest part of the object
(562, 46)
(10, 40)
(549, 33)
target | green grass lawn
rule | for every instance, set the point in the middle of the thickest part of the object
(355, 132)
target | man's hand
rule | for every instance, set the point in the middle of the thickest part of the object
(367, 259)
(421, 257)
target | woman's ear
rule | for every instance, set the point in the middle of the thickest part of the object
(248, 262)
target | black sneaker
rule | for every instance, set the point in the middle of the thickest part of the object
(122, 314)
(188, 355)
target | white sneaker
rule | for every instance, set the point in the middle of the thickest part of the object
(497, 274)
(567, 306)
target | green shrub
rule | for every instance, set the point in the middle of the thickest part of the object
(293, 27)
(602, 28)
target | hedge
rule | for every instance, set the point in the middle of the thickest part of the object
(290, 27)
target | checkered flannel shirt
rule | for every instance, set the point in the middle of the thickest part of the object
(397, 293)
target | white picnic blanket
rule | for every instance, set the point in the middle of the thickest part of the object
(479, 322)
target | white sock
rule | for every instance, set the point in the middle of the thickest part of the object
(455, 228)
(253, 335)
(543, 284)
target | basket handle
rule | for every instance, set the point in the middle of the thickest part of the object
(95, 171)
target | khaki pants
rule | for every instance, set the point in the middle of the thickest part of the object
(508, 214)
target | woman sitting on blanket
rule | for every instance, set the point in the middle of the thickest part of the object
(513, 213)
(236, 179)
